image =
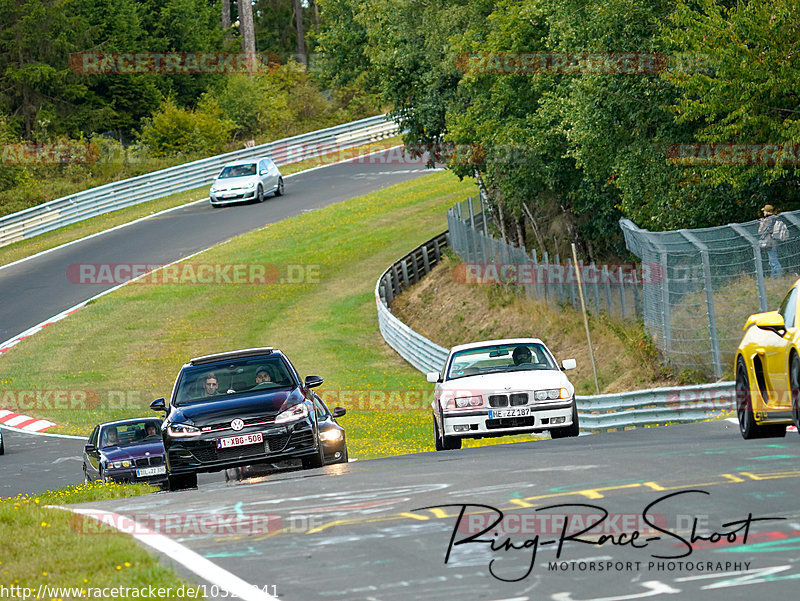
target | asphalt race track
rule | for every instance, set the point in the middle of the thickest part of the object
(358, 532)
(35, 290)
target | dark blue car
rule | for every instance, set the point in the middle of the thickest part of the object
(128, 450)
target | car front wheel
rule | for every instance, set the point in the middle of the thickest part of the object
(794, 382)
(748, 426)
(445, 443)
(315, 460)
(569, 431)
(183, 481)
(279, 190)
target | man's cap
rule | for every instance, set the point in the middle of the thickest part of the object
(768, 208)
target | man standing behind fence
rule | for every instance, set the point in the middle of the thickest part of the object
(771, 232)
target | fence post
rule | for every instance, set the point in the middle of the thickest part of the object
(762, 291)
(472, 232)
(712, 317)
(622, 292)
(546, 263)
(596, 288)
(560, 290)
(426, 262)
(568, 276)
(605, 279)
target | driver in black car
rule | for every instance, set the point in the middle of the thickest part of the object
(262, 376)
(521, 354)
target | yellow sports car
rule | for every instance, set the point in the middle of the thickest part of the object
(768, 371)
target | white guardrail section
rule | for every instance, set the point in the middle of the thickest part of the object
(189, 176)
(614, 411)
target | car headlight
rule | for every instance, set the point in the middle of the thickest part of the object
(466, 401)
(182, 431)
(250, 186)
(331, 435)
(119, 464)
(293, 413)
(551, 394)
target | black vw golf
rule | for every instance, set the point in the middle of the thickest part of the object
(244, 407)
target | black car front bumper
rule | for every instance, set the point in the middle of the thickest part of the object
(200, 454)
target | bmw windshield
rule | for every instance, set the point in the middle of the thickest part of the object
(499, 358)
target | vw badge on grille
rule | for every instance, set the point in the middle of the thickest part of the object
(237, 424)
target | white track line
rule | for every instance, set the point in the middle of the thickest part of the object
(192, 561)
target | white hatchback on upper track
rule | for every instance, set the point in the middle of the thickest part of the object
(246, 180)
(500, 388)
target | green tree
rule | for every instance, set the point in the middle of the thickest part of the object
(173, 130)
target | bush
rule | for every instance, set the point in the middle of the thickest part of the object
(175, 131)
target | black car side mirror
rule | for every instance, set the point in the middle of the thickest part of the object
(313, 381)
(158, 405)
(89, 448)
(339, 411)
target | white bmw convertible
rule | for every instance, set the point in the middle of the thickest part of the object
(500, 388)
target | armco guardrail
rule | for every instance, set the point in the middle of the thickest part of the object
(416, 349)
(656, 406)
(614, 411)
(118, 195)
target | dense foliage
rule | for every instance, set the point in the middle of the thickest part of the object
(563, 154)
(698, 126)
(46, 99)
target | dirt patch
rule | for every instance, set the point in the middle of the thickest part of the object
(451, 313)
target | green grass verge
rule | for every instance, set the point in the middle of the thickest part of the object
(26, 248)
(125, 349)
(47, 546)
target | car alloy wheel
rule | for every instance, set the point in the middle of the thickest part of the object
(260, 194)
(279, 190)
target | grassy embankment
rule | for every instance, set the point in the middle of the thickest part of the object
(26, 248)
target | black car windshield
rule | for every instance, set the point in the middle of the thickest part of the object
(250, 374)
(238, 171)
(119, 435)
(499, 358)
